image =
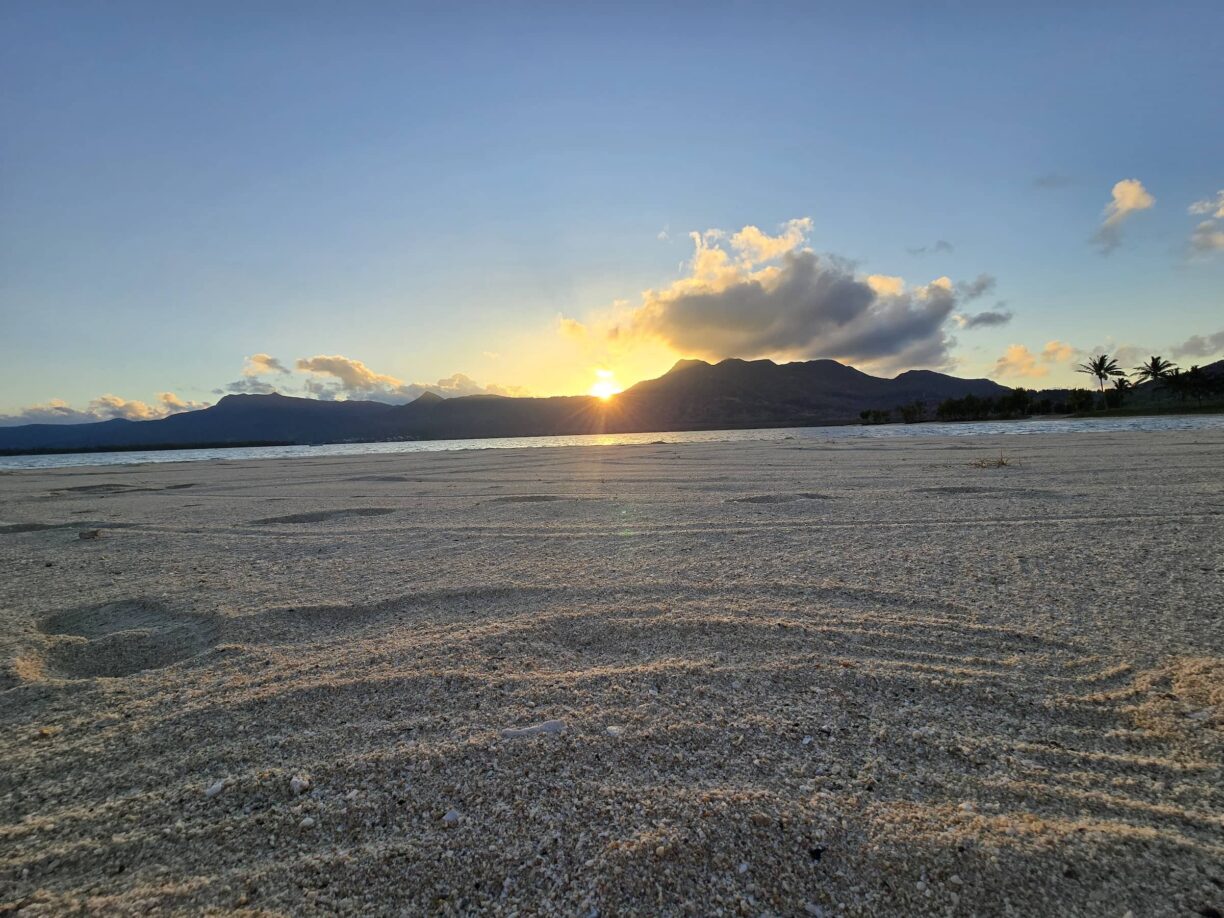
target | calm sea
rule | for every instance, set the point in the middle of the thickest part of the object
(883, 431)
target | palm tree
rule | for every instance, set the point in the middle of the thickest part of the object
(1121, 386)
(1156, 370)
(1192, 383)
(1103, 368)
(1179, 383)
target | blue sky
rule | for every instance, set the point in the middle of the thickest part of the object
(425, 190)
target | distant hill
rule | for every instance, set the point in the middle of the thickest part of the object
(693, 395)
(235, 418)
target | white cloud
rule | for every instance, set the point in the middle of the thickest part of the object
(1127, 197)
(1207, 237)
(1019, 361)
(345, 377)
(1211, 206)
(247, 386)
(253, 368)
(102, 408)
(263, 365)
(755, 294)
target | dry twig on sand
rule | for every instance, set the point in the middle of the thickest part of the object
(991, 463)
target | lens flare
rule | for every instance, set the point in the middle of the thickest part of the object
(605, 385)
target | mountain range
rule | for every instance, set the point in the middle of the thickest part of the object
(693, 395)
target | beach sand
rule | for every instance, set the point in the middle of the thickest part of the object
(858, 677)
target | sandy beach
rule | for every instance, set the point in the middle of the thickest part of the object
(777, 678)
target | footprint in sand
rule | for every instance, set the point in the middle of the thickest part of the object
(103, 489)
(528, 499)
(778, 498)
(120, 638)
(15, 528)
(322, 516)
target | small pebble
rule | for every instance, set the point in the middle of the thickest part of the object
(307, 823)
(616, 731)
(451, 817)
(214, 789)
(299, 785)
(89, 534)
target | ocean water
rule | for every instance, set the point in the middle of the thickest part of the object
(881, 431)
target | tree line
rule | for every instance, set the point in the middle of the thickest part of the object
(1194, 383)
(1115, 385)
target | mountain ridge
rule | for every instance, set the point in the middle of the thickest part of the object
(692, 395)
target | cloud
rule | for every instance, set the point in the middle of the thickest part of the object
(754, 246)
(330, 377)
(1128, 197)
(263, 365)
(353, 376)
(1127, 355)
(1201, 345)
(979, 286)
(886, 285)
(247, 386)
(1058, 352)
(1208, 236)
(1052, 180)
(249, 383)
(172, 404)
(1213, 207)
(1019, 361)
(752, 294)
(102, 408)
(345, 378)
(571, 328)
(987, 319)
(941, 247)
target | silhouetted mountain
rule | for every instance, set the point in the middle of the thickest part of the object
(751, 393)
(693, 395)
(235, 418)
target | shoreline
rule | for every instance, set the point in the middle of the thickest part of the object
(8, 462)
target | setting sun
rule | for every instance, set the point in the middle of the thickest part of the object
(605, 386)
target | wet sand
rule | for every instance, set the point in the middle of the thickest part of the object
(777, 678)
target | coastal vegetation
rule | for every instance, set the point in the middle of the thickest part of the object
(1156, 386)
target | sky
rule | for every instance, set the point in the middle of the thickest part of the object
(370, 200)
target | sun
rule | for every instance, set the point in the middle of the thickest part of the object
(605, 385)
